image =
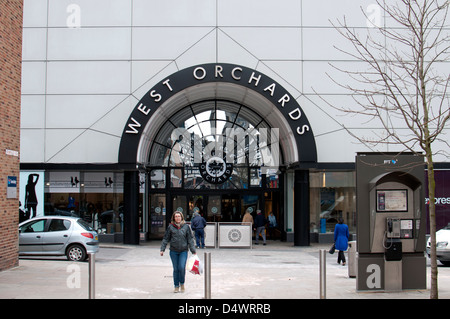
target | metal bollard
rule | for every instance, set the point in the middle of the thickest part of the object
(207, 275)
(323, 273)
(91, 276)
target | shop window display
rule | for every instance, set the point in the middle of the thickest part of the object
(97, 197)
(332, 195)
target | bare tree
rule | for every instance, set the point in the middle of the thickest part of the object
(403, 86)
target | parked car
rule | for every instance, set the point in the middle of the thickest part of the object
(442, 246)
(57, 236)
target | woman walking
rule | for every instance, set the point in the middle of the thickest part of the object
(341, 235)
(179, 235)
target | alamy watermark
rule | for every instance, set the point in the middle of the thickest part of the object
(73, 20)
(227, 146)
(73, 280)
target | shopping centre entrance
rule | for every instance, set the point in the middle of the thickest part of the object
(218, 139)
(215, 207)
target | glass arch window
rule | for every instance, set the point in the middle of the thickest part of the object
(213, 137)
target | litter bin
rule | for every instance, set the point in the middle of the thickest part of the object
(352, 259)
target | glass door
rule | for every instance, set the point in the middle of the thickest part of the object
(196, 203)
(214, 209)
(252, 203)
(157, 211)
(179, 203)
(231, 208)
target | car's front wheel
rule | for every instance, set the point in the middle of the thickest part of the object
(76, 253)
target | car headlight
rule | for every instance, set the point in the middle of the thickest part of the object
(441, 244)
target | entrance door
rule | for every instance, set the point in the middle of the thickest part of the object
(231, 208)
(220, 207)
(272, 205)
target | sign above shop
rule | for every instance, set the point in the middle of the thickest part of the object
(217, 73)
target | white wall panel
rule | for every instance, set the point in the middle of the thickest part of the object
(320, 13)
(174, 13)
(34, 13)
(89, 147)
(322, 78)
(32, 145)
(89, 44)
(89, 12)
(204, 51)
(32, 111)
(155, 71)
(115, 120)
(34, 44)
(268, 43)
(259, 13)
(321, 43)
(231, 51)
(165, 43)
(287, 73)
(89, 77)
(325, 118)
(147, 73)
(33, 77)
(79, 111)
(338, 146)
(56, 140)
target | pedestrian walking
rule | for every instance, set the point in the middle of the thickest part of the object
(179, 235)
(198, 224)
(272, 225)
(341, 235)
(248, 218)
(260, 224)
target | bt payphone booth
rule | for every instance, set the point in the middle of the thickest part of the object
(391, 223)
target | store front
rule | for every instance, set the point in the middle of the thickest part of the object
(218, 139)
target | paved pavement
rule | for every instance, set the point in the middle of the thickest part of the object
(278, 270)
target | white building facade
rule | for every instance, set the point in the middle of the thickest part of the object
(109, 86)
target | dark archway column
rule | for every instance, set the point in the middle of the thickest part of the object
(301, 208)
(131, 208)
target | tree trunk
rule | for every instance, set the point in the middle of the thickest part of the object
(432, 217)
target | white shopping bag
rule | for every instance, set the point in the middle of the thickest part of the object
(194, 265)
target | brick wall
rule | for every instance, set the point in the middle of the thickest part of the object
(10, 78)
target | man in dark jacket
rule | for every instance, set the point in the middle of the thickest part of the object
(198, 224)
(260, 224)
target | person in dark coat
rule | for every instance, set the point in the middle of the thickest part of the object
(341, 235)
(260, 225)
(198, 224)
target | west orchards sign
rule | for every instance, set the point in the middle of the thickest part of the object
(217, 72)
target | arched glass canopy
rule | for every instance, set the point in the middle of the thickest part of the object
(207, 138)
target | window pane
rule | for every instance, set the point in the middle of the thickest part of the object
(37, 226)
(192, 178)
(272, 180)
(332, 195)
(176, 178)
(59, 225)
(158, 178)
(85, 225)
(157, 215)
(255, 177)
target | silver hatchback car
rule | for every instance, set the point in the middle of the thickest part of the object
(57, 236)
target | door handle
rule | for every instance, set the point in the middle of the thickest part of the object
(65, 236)
(38, 236)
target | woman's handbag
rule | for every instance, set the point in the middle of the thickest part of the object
(332, 249)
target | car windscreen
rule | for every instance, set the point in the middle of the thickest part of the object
(85, 225)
